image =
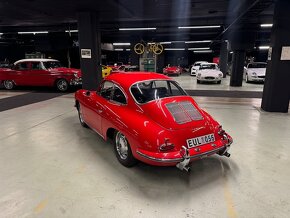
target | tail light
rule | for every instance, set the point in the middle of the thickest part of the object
(167, 145)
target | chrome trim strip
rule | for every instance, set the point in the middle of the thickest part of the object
(159, 159)
(180, 159)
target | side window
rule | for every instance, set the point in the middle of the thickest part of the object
(174, 90)
(22, 66)
(35, 66)
(106, 90)
(119, 96)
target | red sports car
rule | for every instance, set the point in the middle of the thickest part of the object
(150, 118)
(40, 72)
(172, 70)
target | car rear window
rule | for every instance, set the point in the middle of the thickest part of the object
(146, 91)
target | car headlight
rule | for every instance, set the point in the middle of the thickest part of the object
(76, 75)
(199, 74)
(220, 74)
(254, 74)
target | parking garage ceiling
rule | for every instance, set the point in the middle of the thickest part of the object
(166, 16)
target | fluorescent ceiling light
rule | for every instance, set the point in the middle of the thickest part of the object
(1, 34)
(198, 27)
(264, 47)
(128, 49)
(138, 28)
(204, 51)
(37, 32)
(71, 31)
(162, 43)
(119, 49)
(197, 49)
(121, 43)
(265, 25)
(165, 43)
(202, 41)
(174, 49)
(231, 52)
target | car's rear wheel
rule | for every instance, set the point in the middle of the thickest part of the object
(80, 113)
(8, 84)
(123, 150)
(62, 85)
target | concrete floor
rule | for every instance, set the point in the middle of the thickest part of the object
(52, 167)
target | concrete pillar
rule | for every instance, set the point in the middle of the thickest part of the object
(238, 68)
(241, 40)
(276, 92)
(224, 58)
(90, 49)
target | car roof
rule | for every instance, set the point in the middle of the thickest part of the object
(208, 63)
(258, 63)
(34, 59)
(126, 79)
(199, 62)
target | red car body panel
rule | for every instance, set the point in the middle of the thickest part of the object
(146, 126)
(172, 70)
(38, 77)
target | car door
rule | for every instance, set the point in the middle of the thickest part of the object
(20, 74)
(38, 75)
(96, 104)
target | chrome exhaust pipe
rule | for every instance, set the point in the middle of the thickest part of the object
(227, 154)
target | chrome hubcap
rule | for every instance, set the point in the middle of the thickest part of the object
(62, 85)
(121, 146)
(8, 84)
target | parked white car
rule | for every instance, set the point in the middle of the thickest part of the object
(195, 67)
(209, 72)
(255, 72)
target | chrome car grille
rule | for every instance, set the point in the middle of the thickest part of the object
(183, 112)
(209, 77)
(262, 77)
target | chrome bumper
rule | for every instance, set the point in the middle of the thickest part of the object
(76, 82)
(176, 160)
(182, 162)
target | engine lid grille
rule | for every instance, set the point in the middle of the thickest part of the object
(183, 112)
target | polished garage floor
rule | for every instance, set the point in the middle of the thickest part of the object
(52, 167)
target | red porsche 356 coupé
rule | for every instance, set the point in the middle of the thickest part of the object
(40, 72)
(150, 118)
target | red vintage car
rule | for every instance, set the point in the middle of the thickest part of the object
(172, 70)
(40, 72)
(150, 118)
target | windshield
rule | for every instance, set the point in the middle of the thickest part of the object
(146, 91)
(52, 64)
(257, 65)
(207, 66)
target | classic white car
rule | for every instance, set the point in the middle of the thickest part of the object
(209, 72)
(255, 72)
(195, 67)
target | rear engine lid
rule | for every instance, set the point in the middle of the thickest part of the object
(176, 113)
